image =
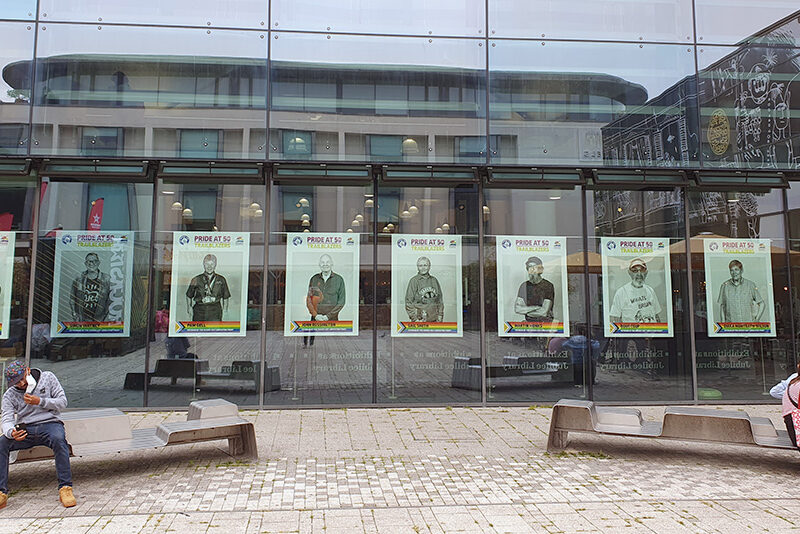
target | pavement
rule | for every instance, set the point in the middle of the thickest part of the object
(417, 470)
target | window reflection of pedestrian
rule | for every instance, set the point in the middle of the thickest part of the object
(738, 297)
(424, 301)
(90, 292)
(582, 353)
(326, 295)
(208, 293)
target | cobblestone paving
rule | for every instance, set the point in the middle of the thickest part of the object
(418, 470)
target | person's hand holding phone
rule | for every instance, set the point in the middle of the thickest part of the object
(20, 432)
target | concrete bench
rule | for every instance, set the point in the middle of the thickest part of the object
(167, 368)
(245, 370)
(680, 423)
(108, 430)
(467, 371)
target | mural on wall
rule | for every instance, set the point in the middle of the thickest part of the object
(742, 103)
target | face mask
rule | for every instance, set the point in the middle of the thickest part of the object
(31, 384)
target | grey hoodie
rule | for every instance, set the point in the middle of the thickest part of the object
(52, 396)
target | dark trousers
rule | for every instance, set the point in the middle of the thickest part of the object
(47, 434)
(787, 420)
(577, 373)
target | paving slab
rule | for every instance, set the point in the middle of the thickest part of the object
(434, 470)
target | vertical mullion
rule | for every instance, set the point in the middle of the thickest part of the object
(32, 273)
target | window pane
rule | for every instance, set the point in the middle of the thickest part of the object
(22, 10)
(558, 103)
(352, 93)
(205, 293)
(731, 366)
(749, 108)
(641, 316)
(428, 367)
(16, 205)
(416, 17)
(533, 354)
(157, 87)
(91, 299)
(320, 284)
(239, 14)
(15, 87)
(624, 20)
(735, 21)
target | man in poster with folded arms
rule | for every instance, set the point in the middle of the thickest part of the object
(635, 302)
(739, 299)
(536, 295)
(424, 295)
(208, 293)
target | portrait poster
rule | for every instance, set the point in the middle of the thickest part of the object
(208, 289)
(532, 286)
(92, 277)
(637, 287)
(6, 280)
(426, 286)
(322, 289)
(739, 293)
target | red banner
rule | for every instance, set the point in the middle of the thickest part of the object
(96, 216)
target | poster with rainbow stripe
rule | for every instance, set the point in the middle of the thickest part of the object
(208, 287)
(92, 279)
(426, 286)
(532, 298)
(739, 293)
(6, 279)
(637, 287)
(322, 289)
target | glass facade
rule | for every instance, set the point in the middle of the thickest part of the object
(277, 202)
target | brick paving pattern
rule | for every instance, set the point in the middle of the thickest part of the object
(417, 470)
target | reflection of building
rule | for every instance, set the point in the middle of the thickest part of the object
(151, 96)
(743, 111)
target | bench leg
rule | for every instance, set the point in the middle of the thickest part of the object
(235, 446)
(557, 440)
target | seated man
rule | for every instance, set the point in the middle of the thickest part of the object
(37, 423)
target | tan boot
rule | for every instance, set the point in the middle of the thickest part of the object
(3, 499)
(66, 497)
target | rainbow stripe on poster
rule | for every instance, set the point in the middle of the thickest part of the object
(533, 327)
(742, 328)
(639, 328)
(426, 328)
(1, 329)
(205, 327)
(317, 327)
(89, 328)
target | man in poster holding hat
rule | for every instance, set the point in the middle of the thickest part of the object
(635, 302)
(35, 399)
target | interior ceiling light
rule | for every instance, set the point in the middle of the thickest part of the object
(446, 227)
(303, 202)
(410, 146)
(360, 218)
(305, 223)
(369, 203)
(177, 206)
(405, 214)
(355, 223)
(187, 212)
(438, 230)
(305, 217)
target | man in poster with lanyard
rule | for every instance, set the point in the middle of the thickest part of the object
(208, 293)
(536, 294)
(326, 294)
(738, 296)
(89, 297)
